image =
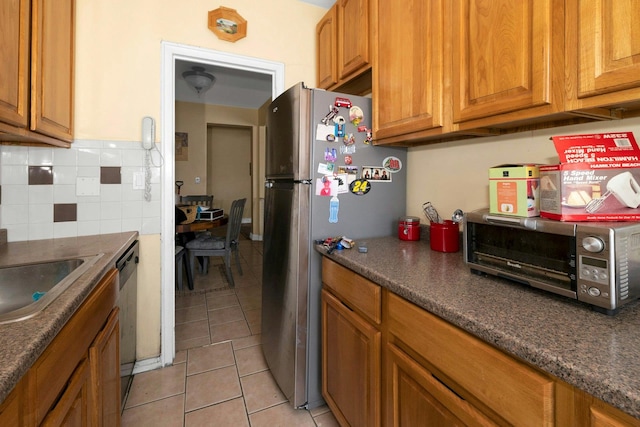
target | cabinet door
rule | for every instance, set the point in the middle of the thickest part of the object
(52, 68)
(507, 58)
(515, 392)
(326, 49)
(14, 66)
(409, 64)
(592, 412)
(104, 359)
(416, 397)
(72, 409)
(603, 47)
(353, 36)
(350, 364)
(12, 409)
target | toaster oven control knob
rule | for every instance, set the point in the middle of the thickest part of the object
(593, 244)
(594, 292)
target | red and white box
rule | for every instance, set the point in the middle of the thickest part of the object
(598, 179)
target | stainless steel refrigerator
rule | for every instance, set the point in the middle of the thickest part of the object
(318, 155)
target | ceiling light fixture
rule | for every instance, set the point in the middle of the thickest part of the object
(199, 80)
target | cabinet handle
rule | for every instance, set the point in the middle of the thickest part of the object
(348, 308)
(447, 387)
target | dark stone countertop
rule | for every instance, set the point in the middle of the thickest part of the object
(597, 353)
(22, 342)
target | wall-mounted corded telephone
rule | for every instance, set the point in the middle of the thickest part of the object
(149, 143)
(148, 132)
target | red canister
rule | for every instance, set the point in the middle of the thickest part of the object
(409, 228)
(444, 237)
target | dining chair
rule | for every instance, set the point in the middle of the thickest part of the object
(206, 245)
(204, 201)
(181, 259)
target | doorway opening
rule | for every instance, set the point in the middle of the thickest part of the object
(171, 53)
(229, 166)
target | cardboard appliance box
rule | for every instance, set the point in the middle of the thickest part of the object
(513, 190)
(597, 179)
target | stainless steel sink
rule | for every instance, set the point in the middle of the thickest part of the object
(26, 289)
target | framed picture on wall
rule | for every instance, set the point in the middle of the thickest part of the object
(182, 146)
(227, 24)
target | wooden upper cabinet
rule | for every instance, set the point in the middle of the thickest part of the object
(37, 69)
(52, 71)
(353, 37)
(14, 66)
(343, 50)
(603, 52)
(326, 48)
(508, 60)
(410, 60)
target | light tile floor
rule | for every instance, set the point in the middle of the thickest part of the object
(219, 376)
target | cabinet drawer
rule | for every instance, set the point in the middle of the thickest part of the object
(354, 290)
(518, 393)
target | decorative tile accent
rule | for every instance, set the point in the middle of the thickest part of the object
(64, 212)
(39, 185)
(40, 175)
(110, 175)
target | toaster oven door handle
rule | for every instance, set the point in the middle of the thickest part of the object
(527, 223)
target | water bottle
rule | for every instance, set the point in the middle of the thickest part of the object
(334, 205)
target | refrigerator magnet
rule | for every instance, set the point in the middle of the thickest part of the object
(355, 115)
(375, 173)
(349, 139)
(392, 164)
(347, 149)
(325, 133)
(334, 206)
(326, 168)
(350, 174)
(326, 186)
(333, 111)
(343, 186)
(342, 102)
(359, 187)
(339, 125)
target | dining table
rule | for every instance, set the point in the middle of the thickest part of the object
(202, 225)
(182, 230)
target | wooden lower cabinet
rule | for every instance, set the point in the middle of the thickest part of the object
(12, 409)
(105, 373)
(403, 366)
(72, 409)
(76, 380)
(351, 364)
(416, 397)
(592, 412)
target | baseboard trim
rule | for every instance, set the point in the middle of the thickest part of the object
(147, 365)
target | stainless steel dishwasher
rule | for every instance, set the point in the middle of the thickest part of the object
(127, 265)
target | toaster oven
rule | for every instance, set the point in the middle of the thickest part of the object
(597, 263)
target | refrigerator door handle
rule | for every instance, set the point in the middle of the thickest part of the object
(304, 181)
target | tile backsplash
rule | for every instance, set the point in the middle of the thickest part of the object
(84, 190)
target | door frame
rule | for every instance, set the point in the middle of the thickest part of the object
(171, 52)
